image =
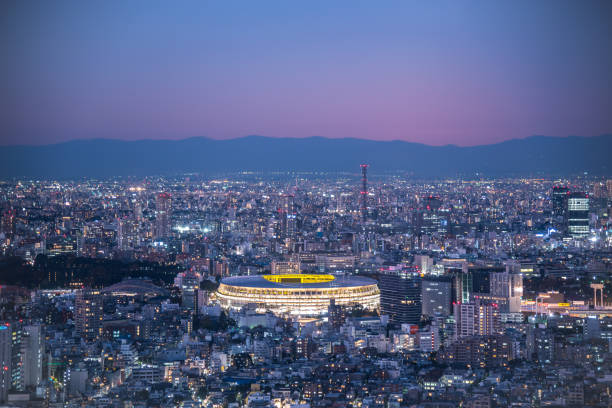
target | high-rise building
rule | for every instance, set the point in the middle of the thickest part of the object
(400, 295)
(6, 353)
(539, 344)
(163, 215)
(10, 359)
(577, 215)
(287, 216)
(363, 194)
(509, 288)
(125, 233)
(463, 288)
(436, 295)
(559, 200)
(481, 276)
(190, 284)
(429, 219)
(33, 349)
(88, 313)
(476, 319)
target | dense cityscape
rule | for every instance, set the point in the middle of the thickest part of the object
(304, 290)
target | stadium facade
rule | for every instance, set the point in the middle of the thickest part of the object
(298, 294)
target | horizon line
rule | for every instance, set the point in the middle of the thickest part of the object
(162, 139)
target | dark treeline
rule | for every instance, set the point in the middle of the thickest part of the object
(60, 271)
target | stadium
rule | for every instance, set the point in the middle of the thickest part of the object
(298, 294)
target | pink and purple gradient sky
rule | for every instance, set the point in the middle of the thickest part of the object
(460, 72)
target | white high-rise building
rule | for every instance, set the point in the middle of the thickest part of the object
(476, 319)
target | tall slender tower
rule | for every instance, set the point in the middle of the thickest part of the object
(364, 192)
(287, 214)
(88, 313)
(163, 215)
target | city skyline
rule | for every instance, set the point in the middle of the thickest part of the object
(271, 204)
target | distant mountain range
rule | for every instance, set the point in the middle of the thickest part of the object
(533, 156)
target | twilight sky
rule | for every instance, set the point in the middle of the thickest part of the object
(435, 72)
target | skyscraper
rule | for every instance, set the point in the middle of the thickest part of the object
(577, 215)
(287, 216)
(400, 296)
(429, 219)
(163, 215)
(463, 286)
(476, 319)
(363, 194)
(559, 200)
(436, 295)
(88, 313)
(509, 287)
(190, 283)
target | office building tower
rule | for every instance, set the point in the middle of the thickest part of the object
(508, 288)
(429, 219)
(481, 276)
(559, 200)
(88, 313)
(163, 215)
(462, 282)
(577, 215)
(476, 319)
(400, 296)
(190, 284)
(287, 216)
(436, 296)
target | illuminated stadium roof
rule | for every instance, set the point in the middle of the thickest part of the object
(298, 281)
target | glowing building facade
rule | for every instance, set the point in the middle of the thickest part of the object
(297, 294)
